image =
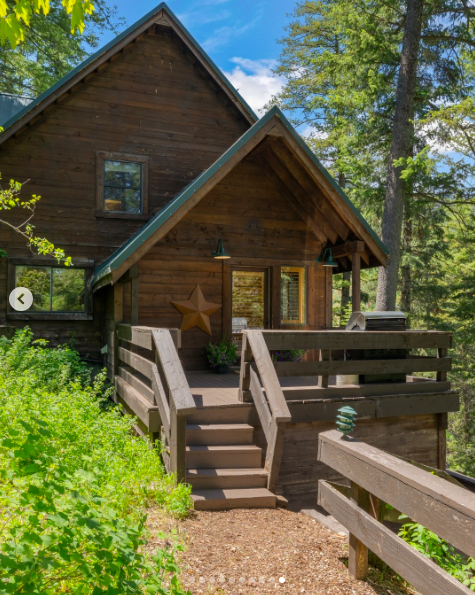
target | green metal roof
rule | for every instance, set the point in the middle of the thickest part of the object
(121, 255)
(97, 55)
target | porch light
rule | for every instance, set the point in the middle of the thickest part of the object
(220, 253)
(327, 262)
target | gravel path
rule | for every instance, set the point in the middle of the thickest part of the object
(239, 552)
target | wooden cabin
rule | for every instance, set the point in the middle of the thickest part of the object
(181, 209)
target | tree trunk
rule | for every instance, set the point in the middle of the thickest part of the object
(406, 274)
(401, 147)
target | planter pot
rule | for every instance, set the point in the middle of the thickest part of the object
(222, 369)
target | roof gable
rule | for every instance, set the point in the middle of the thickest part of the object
(273, 123)
(161, 15)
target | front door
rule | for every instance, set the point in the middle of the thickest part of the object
(250, 300)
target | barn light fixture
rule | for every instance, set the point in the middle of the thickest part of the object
(220, 253)
(327, 261)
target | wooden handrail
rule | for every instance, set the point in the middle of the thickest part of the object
(337, 340)
(271, 405)
(161, 383)
(446, 509)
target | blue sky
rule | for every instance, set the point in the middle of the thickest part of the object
(239, 35)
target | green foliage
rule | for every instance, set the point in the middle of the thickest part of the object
(74, 482)
(10, 199)
(439, 551)
(50, 50)
(16, 16)
(288, 355)
(223, 353)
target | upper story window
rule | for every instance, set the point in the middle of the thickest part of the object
(122, 186)
(54, 289)
(293, 295)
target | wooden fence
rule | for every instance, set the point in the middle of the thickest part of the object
(446, 509)
(157, 392)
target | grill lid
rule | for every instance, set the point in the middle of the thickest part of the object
(368, 321)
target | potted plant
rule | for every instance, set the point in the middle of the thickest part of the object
(221, 355)
(288, 355)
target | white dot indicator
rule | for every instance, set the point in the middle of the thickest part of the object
(21, 299)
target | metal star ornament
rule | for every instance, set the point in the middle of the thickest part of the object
(196, 311)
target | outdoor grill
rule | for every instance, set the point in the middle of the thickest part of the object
(377, 321)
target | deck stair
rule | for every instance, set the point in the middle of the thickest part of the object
(224, 467)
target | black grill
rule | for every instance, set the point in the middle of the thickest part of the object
(377, 321)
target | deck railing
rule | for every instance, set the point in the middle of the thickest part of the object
(271, 407)
(444, 508)
(157, 392)
(331, 344)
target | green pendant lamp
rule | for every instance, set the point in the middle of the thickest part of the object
(327, 259)
(220, 253)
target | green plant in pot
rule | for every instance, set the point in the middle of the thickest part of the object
(221, 355)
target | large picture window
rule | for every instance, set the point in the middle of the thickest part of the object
(54, 289)
(293, 295)
(122, 186)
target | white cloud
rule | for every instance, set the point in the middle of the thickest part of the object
(255, 81)
(208, 11)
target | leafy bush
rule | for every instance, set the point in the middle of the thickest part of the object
(74, 483)
(288, 355)
(430, 545)
(223, 353)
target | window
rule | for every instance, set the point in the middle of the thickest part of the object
(54, 289)
(293, 302)
(122, 186)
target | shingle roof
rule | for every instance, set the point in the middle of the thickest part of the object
(119, 257)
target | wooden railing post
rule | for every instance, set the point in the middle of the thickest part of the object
(177, 443)
(324, 356)
(244, 375)
(358, 552)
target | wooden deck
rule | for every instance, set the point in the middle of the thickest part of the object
(210, 389)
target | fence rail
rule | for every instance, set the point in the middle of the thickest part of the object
(446, 509)
(157, 392)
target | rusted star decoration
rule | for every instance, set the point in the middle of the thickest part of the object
(196, 311)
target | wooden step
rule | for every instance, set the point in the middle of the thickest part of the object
(218, 434)
(237, 498)
(239, 413)
(205, 479)
(223, 457)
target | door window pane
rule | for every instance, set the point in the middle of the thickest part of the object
(123, 186)
(248, 297)
(293, 295)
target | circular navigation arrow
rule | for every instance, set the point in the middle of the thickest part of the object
(21, 299)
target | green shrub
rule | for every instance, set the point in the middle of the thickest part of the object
(223, 353)
(439, 551)
(74, 483)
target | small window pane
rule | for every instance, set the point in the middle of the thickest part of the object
(38, 281)
(123, 186)
(248, 298)
(293, 295)
(68, 290)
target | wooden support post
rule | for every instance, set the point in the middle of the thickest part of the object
(177, 443)
(274, 455)
(356, 282)
(324, 356)
(358, 552)
(442, 425)
(328, 297)
(244, 375)
(118, 318)
(442, 376)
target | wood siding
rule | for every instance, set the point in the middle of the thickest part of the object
(152, 101)
(258, 227)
